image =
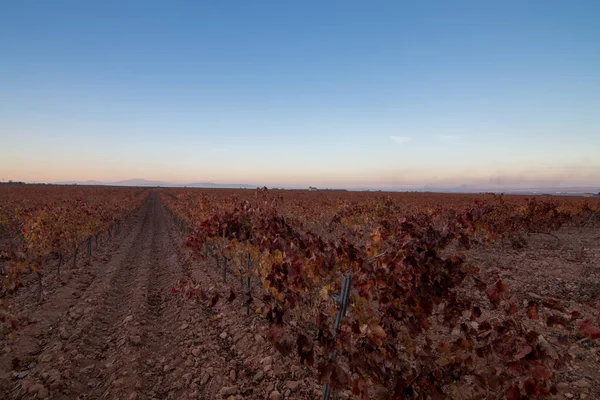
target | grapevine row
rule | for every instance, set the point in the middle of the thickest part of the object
(419, 318)
(42, 224)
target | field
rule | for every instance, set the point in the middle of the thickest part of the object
(132, 293)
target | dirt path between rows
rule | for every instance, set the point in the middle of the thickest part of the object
(88, 345)
(114, 330)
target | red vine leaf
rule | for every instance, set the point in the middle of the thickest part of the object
(232, 295)
(532, 310)
(497, 292)
(524, 351)
(587, 329)
(280, 339)
(305, 350)
(377, 334)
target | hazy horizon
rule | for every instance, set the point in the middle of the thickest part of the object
(343, 94)
(464, 188)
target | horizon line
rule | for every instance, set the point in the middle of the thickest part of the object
(464, 188)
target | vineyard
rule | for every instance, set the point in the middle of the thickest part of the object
(253, 294)
(39, 225)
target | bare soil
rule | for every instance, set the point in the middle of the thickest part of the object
(566, 268)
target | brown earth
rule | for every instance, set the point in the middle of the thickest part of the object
(113, 329)
(566, 268)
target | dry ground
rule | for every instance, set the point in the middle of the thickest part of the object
(567, 269)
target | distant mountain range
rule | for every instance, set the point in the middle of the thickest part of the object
(144, 182)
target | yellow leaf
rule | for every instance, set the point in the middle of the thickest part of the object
(376, 236)
(324, 292)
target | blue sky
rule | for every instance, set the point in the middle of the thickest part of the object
(346, 93)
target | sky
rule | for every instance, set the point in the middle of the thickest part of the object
(407, 94)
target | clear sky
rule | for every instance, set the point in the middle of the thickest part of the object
(323, 93)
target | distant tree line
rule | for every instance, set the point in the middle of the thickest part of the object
(11, 182)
